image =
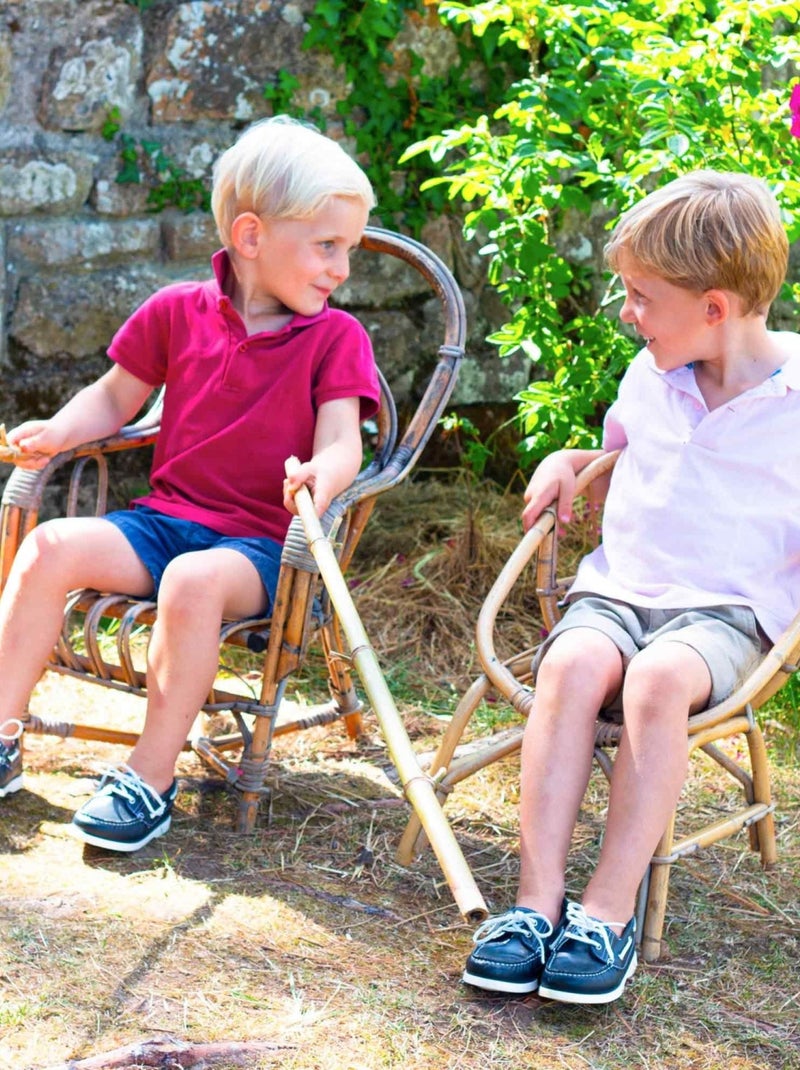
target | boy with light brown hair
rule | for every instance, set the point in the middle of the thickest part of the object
(698, 570)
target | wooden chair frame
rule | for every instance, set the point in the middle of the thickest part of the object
(302, 612)
(511, 680)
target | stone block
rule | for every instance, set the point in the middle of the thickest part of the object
(56, 183)
(392, 335)
(96, 71)
(216, 59)
(379, 281)
(76, 313)
(5, 67)
(112, 198)
(82, 242)
(189, 237)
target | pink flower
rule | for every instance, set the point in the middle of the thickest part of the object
(794, 105)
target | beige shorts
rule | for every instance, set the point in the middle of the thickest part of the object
(727, 638)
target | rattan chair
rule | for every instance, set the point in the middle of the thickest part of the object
(510, 679)
(302, 614)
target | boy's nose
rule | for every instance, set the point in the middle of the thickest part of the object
(626, 313)
(340, 269)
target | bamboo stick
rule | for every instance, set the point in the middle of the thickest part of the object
(417, 785)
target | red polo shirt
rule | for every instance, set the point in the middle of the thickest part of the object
(235, 407)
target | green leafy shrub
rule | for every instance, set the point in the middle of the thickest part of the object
(620, 96)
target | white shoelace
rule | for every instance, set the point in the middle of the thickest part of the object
(127, 783)
(587, 930)
(515, 922)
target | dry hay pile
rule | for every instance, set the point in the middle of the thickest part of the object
(429, 556)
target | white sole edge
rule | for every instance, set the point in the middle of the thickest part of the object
(123, 848)
(590, 997)
(12, 787)
(497, 986)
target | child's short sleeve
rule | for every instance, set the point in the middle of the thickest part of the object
(142, 344)
(615, 435)
(347, 368)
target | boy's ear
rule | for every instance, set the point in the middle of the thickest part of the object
(718, 306)
(246, 232)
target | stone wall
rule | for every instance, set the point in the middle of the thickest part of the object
(79, 251)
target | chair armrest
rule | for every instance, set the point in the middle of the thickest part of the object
(24, 489)
(503, 679)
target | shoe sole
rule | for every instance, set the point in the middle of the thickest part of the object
(117, 845)
(11, 787)
(491, 985)
(568, 996)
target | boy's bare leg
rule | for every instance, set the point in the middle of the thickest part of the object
(57, 557)
(663, 684)
(581, 672)
(196, 592)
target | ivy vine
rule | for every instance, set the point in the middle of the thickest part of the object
(393, 101)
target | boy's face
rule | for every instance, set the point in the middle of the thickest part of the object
(302, 261)
(672, 320)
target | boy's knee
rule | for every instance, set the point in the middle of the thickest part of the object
(189, 579)
(656, 679)
(576, 649)
(41, 547)
(645, 680)
(581, 658)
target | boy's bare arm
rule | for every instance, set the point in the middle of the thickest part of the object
(98, 410)
(337, 455)
(554, 481)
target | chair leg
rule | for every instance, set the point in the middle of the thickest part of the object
(253, 766)
(762, 833)
(656, 906)
(340, 680)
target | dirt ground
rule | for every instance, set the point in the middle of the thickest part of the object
(309, 940)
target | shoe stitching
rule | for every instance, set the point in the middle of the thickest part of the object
(582, 975)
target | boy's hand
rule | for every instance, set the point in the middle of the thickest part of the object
(318, 485)
(29, 445)
(553, 481)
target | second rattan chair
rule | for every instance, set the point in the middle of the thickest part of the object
(510, 679)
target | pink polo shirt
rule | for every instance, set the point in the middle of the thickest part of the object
(703, 507)
(236, 406)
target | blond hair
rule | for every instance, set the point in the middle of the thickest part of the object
(280, 168)
(709, 230)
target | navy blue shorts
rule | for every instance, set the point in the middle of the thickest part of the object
(158, 538)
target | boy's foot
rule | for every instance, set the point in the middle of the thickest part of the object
(126, 813)
(589, 963)
(511, 950)
(10, 768)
